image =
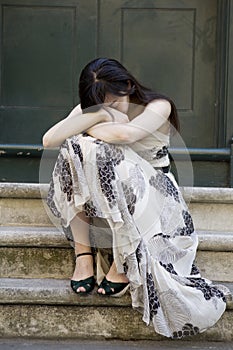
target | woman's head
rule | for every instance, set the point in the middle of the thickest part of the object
(103, 78)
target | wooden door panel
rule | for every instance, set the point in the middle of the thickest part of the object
(44, 47)
(169, 45)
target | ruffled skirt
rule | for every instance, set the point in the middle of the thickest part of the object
(147, 225)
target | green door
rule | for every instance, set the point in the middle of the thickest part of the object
(44, 46)
(170, 45)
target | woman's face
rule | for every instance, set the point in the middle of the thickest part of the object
(121, 103)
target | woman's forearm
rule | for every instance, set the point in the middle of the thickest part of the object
(154, 116)
(74, 124)
(110, 132)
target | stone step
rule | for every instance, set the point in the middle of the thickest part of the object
(114, 344)
(21, 204)
(44, 252)
(36, 252)
(49, 309)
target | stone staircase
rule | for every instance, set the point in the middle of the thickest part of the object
(36, 263)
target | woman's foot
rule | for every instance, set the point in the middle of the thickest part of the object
(83, 271)
(114, 283)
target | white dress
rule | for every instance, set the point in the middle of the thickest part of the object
(152, 235)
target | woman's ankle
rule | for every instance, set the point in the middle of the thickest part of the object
(80, 249)
(114, 276)
(83, 267)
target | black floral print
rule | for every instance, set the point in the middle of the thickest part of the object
(126, 268)
(77, 150)
(187, 330)
(50, 201)
(139, 253)
(90, 209)
(130, 198)
(152, 295)
(63, 172)
(162, 235)
(164, 185)
(106, 176)
(58, 165)
(107, 157)
(68, 233)
(169, 267)
(154, 153)
(161, 153)
(66, 180)
(195, 270)
(207, 290)
(188, 229)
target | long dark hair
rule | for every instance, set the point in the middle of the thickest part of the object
(104, 75)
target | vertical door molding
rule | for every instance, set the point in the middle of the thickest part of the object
(222, 79)
(229, 78)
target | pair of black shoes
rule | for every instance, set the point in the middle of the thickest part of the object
(111, 288)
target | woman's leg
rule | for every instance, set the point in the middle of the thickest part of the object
(84, 264)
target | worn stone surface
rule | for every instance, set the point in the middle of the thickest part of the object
(104, 344)
(58, 292)
(36, 262)
(22, 204)
(194, 194)
(21, 211)
(215, 241)
(23, 190)
(16, 211)
(208, 194)
(215, 265)
(32, 236)
(39, 321)
(36, 236)
(88, 344)
(48, 308)
(50, 262)
(52, 292)
(34, 252)
(212, 217)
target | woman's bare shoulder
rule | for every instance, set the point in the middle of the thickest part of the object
(161, 106)
(76, 110)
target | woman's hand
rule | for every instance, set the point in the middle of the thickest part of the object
(115, 119)
(115, 115)
(75, 123)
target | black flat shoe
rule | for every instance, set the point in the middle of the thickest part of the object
(87, 283)
(114, 289)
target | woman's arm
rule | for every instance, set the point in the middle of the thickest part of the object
(74, 124)
(151, 119)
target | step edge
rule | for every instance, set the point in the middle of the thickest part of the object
(191, 194)
(26, 236)
(52, 292)
(58, 292)
(215, 241)
(51, 237)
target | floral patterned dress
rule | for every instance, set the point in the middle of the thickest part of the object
(151, 231)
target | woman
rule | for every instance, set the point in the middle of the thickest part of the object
(120, 174)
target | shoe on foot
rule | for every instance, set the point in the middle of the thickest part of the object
(88, 283)
(114, 289)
